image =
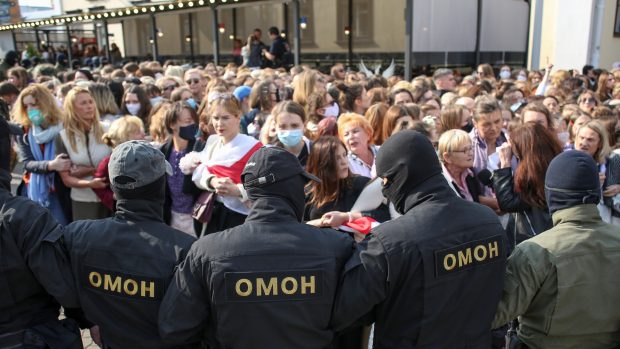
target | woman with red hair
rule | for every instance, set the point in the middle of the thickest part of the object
(522, 193)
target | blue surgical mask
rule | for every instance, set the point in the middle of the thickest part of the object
(192, 103)
(35, 117)
(290, 138)
(504, 74)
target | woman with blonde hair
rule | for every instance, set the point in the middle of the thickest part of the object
(36, 111)
(308, 82)
(587, 101)
(157, 129)
(356, 134)
(106, 105)
(123, 129)
(454, 118)
(217, 168)
(168, 83)
(456, 156)
(81, 139)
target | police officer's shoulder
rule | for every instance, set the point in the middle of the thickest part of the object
(332, 235)
(23, 211)
(217, 244)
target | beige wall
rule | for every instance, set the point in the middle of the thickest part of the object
(610, 45)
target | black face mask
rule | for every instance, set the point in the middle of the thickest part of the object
(467, 128)
(188, 133)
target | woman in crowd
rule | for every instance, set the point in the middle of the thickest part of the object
(485, 72)
(397, 118)
(456, 155)
(157, 129)
(401, 96)
(308, 82)
(104, 100)
(135, 102)
(218, 167)
(320, 105)
(123, 129)
(81, 139)
(523, 193)
(356, 133)
(593, 139)
(605, 86)
(375, 116)
(180, 118)
(36, 111)
(18, 76)
(263, 99)
(329, 203)
(183, 94)
(587, 101)
(290, 120)
(167, 84)
(454, 118)
(353, 98)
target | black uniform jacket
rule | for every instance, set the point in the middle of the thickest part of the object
(122, 266)
(269, 283)
(27, 278)
(431, 278)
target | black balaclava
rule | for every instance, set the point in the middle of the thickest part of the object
(148, 199)
(406, 160)
(572, 179)
(289, 190)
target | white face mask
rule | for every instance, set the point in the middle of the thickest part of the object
(504, 74)
(133, 108)
(521, 77)
(332, 110)
(155, 100)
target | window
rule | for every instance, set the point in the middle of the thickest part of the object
(363, 28)
(306, 36)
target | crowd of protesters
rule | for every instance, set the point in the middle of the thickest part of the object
(495, 132)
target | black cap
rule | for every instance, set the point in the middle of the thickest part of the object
(269, 165)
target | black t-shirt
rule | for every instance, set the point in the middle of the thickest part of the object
(278, 48)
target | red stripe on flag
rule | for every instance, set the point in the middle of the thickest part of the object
(234, 172)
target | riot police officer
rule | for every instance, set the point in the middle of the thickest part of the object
(28, 312)
(432, 277)
(269, 283)
(122, 265)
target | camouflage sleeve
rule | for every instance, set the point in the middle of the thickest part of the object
(525, 273)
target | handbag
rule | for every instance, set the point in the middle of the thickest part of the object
(203, 207)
